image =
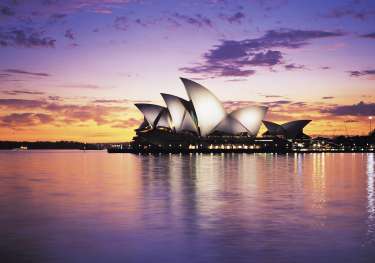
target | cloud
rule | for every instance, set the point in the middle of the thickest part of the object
(56, 10)
(267, 58)
(129, 123)
(25, 119)
(105, 101)
(69, 34)
(102, 10)
(236, 80)
(218, 70)
(22, 92)
(54, 98)
(233, 58)
(236, 18)
(359, 109)
(354, 11)
(197, 20)
(270, 5)
(6, 11)
(57, 17)
(327, 97)
(24, 72)
(272, 96)
(121, 23)
(61, 112)
(25, 37)
(21, 104)
(231, 105)
(2, 75)
(293, 66)
(299, 104)
(80, 86)
(360, 73)
(277, 103)
(370, 35)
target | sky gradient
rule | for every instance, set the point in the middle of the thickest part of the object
(72, 70)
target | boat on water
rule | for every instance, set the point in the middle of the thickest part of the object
(21, 148)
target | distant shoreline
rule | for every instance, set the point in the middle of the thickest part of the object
(230, 151)
(48, 145)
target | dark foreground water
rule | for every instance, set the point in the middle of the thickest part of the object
(73, 206)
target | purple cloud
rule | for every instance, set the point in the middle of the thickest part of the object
(25, 119)
(6, 11)
(236, 18)
(56, 17)
(370, 35)
(2, 75)
(232, 57)
(360, 109)
(69, 34)
(54, 98)
(277, 103)
(197, 20)
(267, 58)
(22, 92)
(80, 86)
(62, 113)
(360, 73)
(293, 66)
(104, 101)
(272, 96)
(353, 11)
(327, 97)
(24, 72)
(219, 70)
(121, 23)
(26, 37)
(21, 104)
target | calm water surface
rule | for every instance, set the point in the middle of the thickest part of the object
(73, 206)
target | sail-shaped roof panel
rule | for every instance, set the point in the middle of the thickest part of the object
(250, 117)
(208, 109)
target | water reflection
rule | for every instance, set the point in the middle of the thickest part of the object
(371, 197)
(319, 180)
(73, 206)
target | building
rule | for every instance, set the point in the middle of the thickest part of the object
(201, 122)
(289, 130)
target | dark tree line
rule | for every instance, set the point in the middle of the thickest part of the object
(50, 145)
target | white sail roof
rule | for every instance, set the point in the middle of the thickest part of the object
(250, 117)
(230, 126)
(150, 111)
(208, 109)
(164, 120)
(181, 118)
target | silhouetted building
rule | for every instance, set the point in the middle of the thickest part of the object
(289, 130)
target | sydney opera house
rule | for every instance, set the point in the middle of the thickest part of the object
(202, 121)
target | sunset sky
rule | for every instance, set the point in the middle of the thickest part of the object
(73, 69)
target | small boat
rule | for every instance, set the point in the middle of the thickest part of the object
(21, 148)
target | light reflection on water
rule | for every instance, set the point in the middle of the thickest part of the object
(371, 197)
(60, 206)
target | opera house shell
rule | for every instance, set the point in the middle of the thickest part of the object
(289, 130)
(202, 115)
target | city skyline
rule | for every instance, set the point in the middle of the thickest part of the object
(73, 70)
